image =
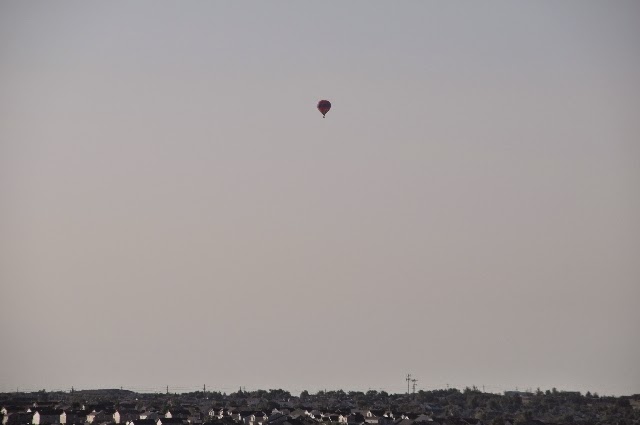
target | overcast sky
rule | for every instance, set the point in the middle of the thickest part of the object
(175, 211)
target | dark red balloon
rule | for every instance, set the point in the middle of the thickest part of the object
(323, 107)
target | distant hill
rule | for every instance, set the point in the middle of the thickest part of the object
(109, 392)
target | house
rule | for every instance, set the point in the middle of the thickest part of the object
(371, 418)
(74, 416)
(122, 416)
(246, 417)
(355, 418)
(215, 412)
(149, 414)
(77, 416)
(253, 418)
(100, 416)
(276, 418)
(177, 413)
(233, 414)
(11, 410)
(67, 416)
(7, 410)
(46, 416)
(297, 413)
(195, 415)
(314, 414)
(17, 418)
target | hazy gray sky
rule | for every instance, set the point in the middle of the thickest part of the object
(176, 211)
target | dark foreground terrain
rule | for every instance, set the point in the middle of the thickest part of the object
(279, 407)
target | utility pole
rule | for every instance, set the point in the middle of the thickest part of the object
(167, 389)
(408, 379)
(414, 385)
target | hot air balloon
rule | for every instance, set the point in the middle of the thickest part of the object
(323, 107)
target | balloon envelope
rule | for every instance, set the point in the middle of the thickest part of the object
(323, 107)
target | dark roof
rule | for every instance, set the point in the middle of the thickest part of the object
(45, 403)
(144, 421)
(47, 411)
(355, 417)
(100, 406)
(22, 415)
(171, 420)
(14, 409)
